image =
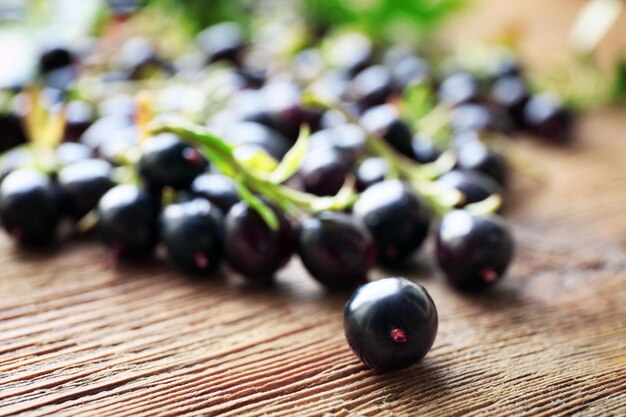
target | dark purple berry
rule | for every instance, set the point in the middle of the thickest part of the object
(217, 189)
(12, 132)
(336, 249)
(424, 150)
(458, 89)
(397, 219)
(371, 87)
(323, 172)
(166, 161)
(473, 185)
(222, 42)
(475, 155)
(69, 153)
(409, 72)
(83, 184)
(547, 118)
(252, 248)
(55, 58)
(80, 115)
(512, 94)
(473, 251)
(127, 221)
(390, 323)
(371, 171)
(192, 233)
(256, 135)
(30, 207)
(385, 122)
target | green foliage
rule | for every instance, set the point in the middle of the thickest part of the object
(619, 83)
(198, 14)
(381, 17)
(372, 16)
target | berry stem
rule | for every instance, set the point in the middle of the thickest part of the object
(248, 182)
(440, 198)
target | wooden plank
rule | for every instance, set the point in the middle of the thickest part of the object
(142, 339)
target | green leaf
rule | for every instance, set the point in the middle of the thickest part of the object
(266, 212)
(293, 159)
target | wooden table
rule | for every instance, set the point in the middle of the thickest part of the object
(79, 339)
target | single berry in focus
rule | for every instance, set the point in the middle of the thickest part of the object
(473, 251)
(336, 249)
(390, 323)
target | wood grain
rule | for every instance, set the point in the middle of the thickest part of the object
(144, 340)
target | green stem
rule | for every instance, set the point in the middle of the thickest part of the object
(222, 155)
(441, 199)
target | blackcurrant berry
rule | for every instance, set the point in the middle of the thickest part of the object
(371, 171)
(192, 233)
(391, 323)
(30, 207)
(336, 249)
(83, 184)
(13, 133)
(166, 161)
(424, 150)
(324, 172)
(474, 155)
(409, 72)
(546, 117)
(69, 153)
(127, 221)
(397, 219)
(371, 87)
(216, 188)
(222, 42)
(473, 185)
(459, 88)
(257, 135)
(252, 248)
(80, 115)
(512, 94)
(385, 122)
(473, 251)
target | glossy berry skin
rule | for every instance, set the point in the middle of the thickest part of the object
(257, 135)
(390, 323)
(385, 122)
(192, 233)
(473, 251)
(83, 184)
(69, 153)
(324, 172)
(54, 59)
(252, 248)
(458, 89)
(222, 42)
(371, 87)
(336, 249)
(473, 185)
(424, 150)
(371, 171)
(512, 94)
(476, 156)
(397, 219)
(127, 221)
(13, 133)
(217, 189)
(546, 118)
(166, 161)
(30, 207)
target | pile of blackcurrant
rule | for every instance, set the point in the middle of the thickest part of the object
(350, 160)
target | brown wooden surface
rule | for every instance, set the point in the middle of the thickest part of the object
(77, 339)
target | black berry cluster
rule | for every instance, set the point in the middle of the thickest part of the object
(245, 185)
